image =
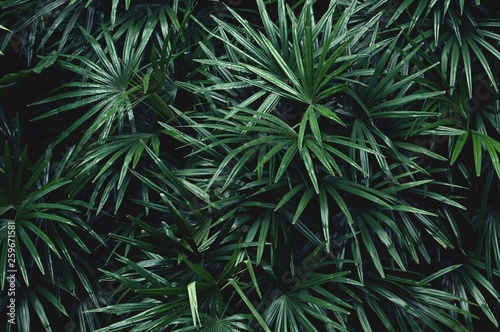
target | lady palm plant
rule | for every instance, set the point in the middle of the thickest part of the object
(45, 217)
(284, 169)
(128, 86)
(458, 31)
(50, 239)
(304, 115)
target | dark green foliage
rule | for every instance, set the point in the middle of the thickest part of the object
(263, 166)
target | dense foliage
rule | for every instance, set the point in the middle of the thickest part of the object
(262, 165)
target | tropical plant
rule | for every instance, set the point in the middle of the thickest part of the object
(302, 166)
(49, 241)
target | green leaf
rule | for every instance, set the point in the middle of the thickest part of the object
(478, 152)
(459, 145)
(324, 111)
(200, 271)
(310, 167)
(304, 201)
(249, 304)
(193, 303)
